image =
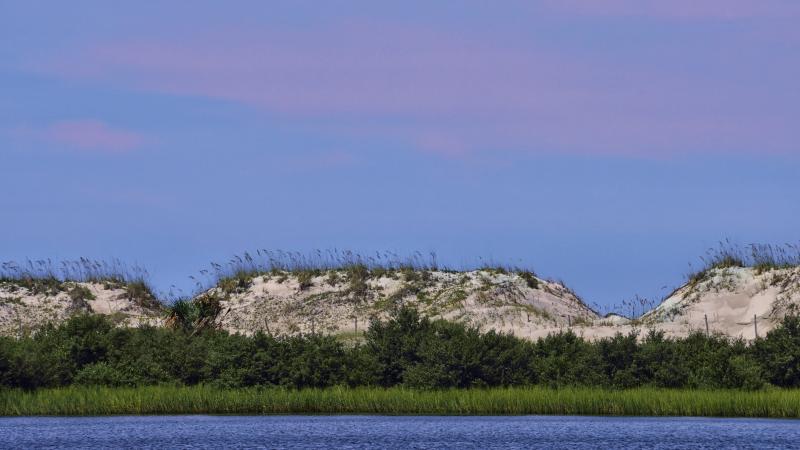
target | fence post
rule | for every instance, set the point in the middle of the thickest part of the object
(705, 316)
(755, 325)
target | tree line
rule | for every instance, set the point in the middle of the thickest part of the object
(405, 350)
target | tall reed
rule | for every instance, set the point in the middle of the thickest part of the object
(81, 270)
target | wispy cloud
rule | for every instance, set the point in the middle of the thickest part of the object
(680, 9)
(320, 160)
(87, 135)
(447, 93)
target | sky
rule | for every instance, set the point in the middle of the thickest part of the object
(607, 143)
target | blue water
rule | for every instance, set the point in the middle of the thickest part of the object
(358, 432)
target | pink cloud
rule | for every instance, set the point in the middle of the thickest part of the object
(443, 144)
(91, 135)
(448, 94)
(322, 160)
(680, 9)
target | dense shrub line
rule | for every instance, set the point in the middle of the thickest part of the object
(405, 351)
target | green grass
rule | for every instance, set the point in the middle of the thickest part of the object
(207, 400)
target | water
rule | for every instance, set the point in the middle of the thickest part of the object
(358, 432)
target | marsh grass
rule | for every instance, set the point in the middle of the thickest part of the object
(76, 401)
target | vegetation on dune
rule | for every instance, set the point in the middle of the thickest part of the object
(237, 273)
(337, 400)
(407, 351)
(340, 266)
(354, 269)
(347, 270)
(49, 278)
(762, 257)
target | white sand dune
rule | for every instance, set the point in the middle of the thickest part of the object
(734, 301)
(498, 301)
(335, 303)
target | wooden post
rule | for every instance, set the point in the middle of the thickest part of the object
(356, 320)
(755, 325)
(313, 331)
(705, 316)
(569, 321)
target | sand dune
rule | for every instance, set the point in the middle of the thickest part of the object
(730, 300)
(490, 300)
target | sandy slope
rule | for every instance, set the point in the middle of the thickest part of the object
(731, 300)
(23, 311)
(499, 301)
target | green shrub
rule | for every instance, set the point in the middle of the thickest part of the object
(101, 374)
(530, 279)
(304, 279)
(779, 353)
(406, 350)
(79, 293)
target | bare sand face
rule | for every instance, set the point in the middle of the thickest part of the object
(335, 303)
(733, 301)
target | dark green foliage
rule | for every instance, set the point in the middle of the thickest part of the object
(79, 293)
(659, 362)
(564, 359)
(619, 360)
(183, 314)
(779, 353)
(357, 274)
(530, 279)
(195, 315)
(237, 283)
(140, 293)
(304, 279)
(407, 350)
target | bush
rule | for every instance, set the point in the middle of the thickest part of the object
(530, 279)
(406, 350)
(101, 374)
(779, 353)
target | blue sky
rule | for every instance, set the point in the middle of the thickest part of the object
(608, 143)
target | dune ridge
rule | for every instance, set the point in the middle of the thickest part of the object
(341, 302)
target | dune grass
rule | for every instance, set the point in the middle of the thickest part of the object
(77, 401)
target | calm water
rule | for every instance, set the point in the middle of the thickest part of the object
(396, 432)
